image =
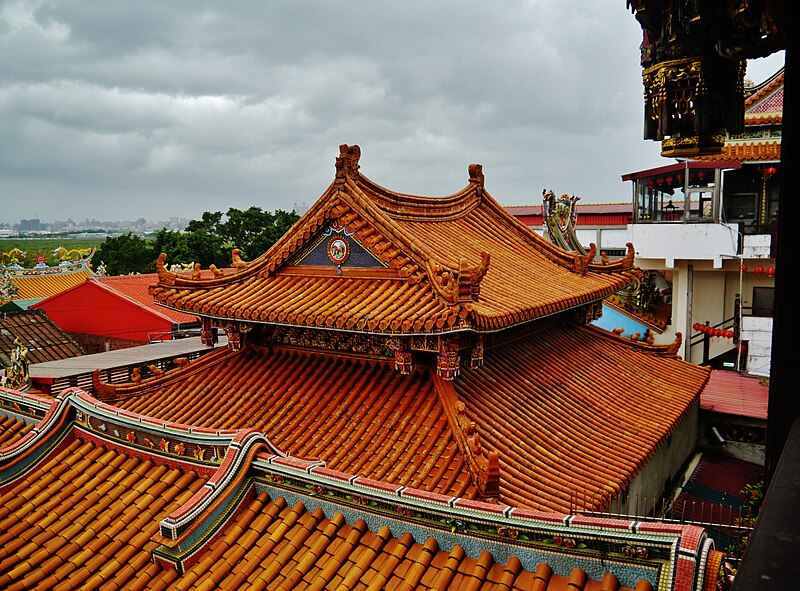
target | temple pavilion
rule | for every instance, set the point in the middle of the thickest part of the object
(432, 342)
(410, 398)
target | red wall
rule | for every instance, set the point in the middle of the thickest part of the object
(589, 219)
(91, 309)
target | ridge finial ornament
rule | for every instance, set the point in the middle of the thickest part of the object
(476, 176)
(675, 346)
(236, 260)
(627, 260)
(347, 161)
(164, 276)
(580, 263)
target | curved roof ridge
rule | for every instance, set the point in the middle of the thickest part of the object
(664, 350)
(309, 223)
(410, 207)
(108, 392)
(387, 225)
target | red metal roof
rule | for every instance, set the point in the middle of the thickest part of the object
(737, 394)
(713, 493)
(114, 307)
(583, 209)
(135, 287)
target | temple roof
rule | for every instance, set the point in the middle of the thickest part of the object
(88, 516)
(85, 516)
(766, 97)
(364, 258)
(42, 283)
(360, 415)
(136, 288)
(96, 497)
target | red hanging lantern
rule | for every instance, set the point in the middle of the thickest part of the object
(650, 183)
(743, 268)
(759, 270)
(769, 172)
(700, 175)
(696, 326)
(771, 271)
(730, 334)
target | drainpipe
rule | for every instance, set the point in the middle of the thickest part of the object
(687, 345)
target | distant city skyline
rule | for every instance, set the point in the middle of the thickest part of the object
(168, 110)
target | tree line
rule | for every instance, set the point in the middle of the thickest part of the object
(207, 241)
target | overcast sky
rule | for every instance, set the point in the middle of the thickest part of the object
(120, 110)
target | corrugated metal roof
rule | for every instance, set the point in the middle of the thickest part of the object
(737, 394)
(583, 208)
(713, 493)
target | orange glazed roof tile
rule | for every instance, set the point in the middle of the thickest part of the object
(748, 151)
(277, 545)
(84, 517)
(12, 429)
(358, 414)
(88, 514)
(364, 258)
(361, 416)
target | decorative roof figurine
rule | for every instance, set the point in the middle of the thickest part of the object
(17, 376)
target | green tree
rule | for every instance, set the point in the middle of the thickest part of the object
(126, 254)
(175, 245)
(252, 231)
(207, 248)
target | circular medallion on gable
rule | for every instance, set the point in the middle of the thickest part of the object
(338, 250)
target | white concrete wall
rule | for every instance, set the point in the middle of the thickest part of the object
(614, 237)
(695, 242)
(709, 303)
(668, 461)
(756, 246)
(757, 331)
